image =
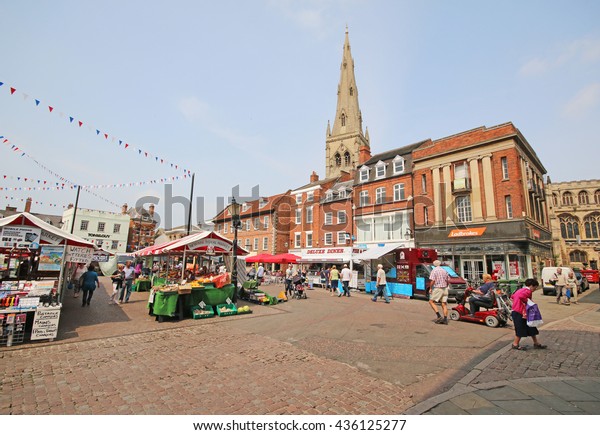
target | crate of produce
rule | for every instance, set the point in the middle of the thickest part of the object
(244, 310)
(202, 313)
(226, 310)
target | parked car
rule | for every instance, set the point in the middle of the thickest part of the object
(547, 275)
(582, 281)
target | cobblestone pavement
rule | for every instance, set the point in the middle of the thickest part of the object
(318, 356)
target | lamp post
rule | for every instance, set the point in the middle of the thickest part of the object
(234, 209)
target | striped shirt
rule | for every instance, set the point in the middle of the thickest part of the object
(439, 277)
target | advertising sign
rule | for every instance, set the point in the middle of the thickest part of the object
(19, 236)
(51, 258)
(470, 232)
(45, 323)
(76, 254)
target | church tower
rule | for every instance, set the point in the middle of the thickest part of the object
(345, 143)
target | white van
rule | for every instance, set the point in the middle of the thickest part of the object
(547, 274)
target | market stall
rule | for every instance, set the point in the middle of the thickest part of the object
(34, 259)
(181, 297)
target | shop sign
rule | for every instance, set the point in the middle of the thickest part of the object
(100, 257)
(210, 243)
(469, 232)
(329, 254)
(77, 254)
(19, 236)
(51, 238)
(45, 323)
(51, 258)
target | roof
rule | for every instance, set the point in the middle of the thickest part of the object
(253, 206)
(387, 155)
(54, 220)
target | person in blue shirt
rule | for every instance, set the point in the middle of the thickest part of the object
(90, 283)
(482, 296)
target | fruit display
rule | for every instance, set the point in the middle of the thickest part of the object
(244, 310)
(226, 310)
(201, 312)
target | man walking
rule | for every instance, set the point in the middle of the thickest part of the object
(439, 291)
(260, 273)
(381, 284)
(129, 276)
(289, 274)
(346, 277)
(560, 281)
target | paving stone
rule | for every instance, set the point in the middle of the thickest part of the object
(557, 403)
(447, 408)
(530, 389)
(589, 386)
(566, 391)
(524, 407)
(493, 410)
(503, 393)
(592, 408)
(470, 401)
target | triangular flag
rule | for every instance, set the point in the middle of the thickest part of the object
(37, 102)
(105, 135)
(126, 145)
(97, 132)
(12, 91)
(80, 123)
(50, 108)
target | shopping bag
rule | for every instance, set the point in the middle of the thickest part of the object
(568, 294)
(534, 317)
(70, 286)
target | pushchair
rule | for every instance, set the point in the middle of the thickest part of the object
(299, 289)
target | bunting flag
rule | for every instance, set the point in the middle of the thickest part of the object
(51, 109)
(46, 185)
(12, 198)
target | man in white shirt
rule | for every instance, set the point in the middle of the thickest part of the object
(346, 277)
(381, 284)
(126, 289)
(260, 273)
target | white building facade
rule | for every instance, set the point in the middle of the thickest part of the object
(107, 230)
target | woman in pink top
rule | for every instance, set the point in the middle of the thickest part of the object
(519, 315)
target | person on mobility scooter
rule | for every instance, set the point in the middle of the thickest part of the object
(481, 297)
(497, 312)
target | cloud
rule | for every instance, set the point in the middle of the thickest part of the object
(581, 51)
(585, 100)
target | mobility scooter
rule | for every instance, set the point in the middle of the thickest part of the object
(496, 313)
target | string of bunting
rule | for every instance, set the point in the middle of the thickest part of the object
(46, 185)
(12, 198)
(100, 133)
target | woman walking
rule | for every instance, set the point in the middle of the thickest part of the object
(519, 316)
(90, 282)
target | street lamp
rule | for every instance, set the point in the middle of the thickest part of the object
(234, 210)
(408, 234)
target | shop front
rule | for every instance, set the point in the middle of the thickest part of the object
(317, 259)
(35, 259)
(507, 251)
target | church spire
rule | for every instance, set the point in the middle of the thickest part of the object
(345, 140)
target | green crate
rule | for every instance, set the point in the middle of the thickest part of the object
(232, 307)
(202, 316)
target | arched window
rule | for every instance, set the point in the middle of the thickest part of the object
(567, 198)
(338, 159)
(597, 196)
(351, 91)
(578, 257)
(343, 118)
(346, 158)
(583, 198)
(591, 224)
(569, 227)
(554, 199)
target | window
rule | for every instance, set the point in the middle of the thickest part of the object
(380, 195)
(504, 162)
(218, 228)
(310, 196)
(567, 198)
(398, 165)
(266, 223)
(265, 243)
(298, 216)
(329, 218)
(343, 118)
(342, 237)
(245, 207)
(341, 217)
(399, 192)
(338, 159)
(101, 226)
(262, 202)
(255, 246)
(597, 196)
(509, 208)
(309, 239)
(463, 209)
(424, 183)
(380, 170)
(347, 159)
(583, 198)
(554, 199)
(364, 175)
(569, 227)
(309, 215)
(425, 215)
(578, 257)
(591, 225)
(256, 223)
(329, 238)
(297, 239)
(364, 198)
(114, 245)
(116, 228)
(225, 225)
(329, 196)
(461, 171)
(247, 244)
(342, 194)
(248, 225)
(299, 198)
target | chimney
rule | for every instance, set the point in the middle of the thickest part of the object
(28, 205)
(70, 206)
(364, 154)
(314, 177)
(124, 208)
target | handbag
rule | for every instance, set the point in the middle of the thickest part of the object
(568, 293)
(534, 317)
(69, 285)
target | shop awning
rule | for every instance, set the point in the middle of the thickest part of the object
(205, 242)
(50, 235)
(379, 251)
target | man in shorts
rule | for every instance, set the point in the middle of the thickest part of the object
(439, 292)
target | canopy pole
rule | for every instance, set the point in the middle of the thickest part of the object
(75, 209)
(189, 222)
(183, 264)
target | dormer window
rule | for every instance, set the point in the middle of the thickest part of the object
(299, 198)
(380, 170)
(262, 202)
(310, 196)
(364, 174)
(329, 195)
(398, 165)
(245, 207)
(342, 193)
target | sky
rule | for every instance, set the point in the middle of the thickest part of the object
(239, 93)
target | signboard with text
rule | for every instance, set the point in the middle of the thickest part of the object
(45, 323)
(19, 236)
(77, 254)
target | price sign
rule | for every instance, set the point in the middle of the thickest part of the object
(228, 301)
(202, 304)
(45, 323)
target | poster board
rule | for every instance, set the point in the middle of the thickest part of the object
(51, 258)
(19, 236)
(45, 323)
(76, 254)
